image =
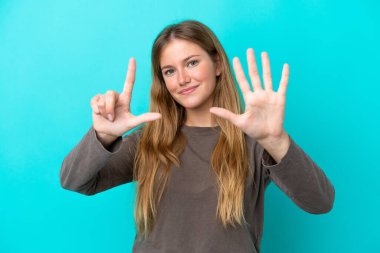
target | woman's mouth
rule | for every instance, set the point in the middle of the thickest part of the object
(188, 90)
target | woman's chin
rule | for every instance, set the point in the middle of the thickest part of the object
(192, 106)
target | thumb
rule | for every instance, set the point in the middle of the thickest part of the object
(146, 117)
(225, 114)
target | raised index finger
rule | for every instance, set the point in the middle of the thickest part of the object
(130, 78)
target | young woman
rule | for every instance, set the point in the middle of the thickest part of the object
(201, 164)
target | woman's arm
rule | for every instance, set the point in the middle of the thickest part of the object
(90, 167)
(301, 179)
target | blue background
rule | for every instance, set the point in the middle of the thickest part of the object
(56, 55)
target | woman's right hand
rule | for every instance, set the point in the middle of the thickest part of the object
(111, 113)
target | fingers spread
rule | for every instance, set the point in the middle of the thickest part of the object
(284, 80)
(225, 114)
(252, 70)
(267, 77)
(240, 76)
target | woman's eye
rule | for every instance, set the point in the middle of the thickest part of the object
(194, 61)
(191, 64)
(166, 72)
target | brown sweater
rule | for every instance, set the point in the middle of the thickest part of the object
(186, 219)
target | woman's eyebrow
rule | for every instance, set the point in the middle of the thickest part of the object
(167, 66)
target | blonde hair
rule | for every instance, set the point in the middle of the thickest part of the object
(162, 142)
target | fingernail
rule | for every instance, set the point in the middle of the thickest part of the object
(109, 116)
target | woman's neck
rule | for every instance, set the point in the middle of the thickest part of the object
(201, 118)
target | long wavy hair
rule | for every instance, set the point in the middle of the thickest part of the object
(161, 141)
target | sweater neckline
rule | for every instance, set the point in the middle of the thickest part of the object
(198, 130)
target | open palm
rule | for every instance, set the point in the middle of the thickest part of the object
(264, 109)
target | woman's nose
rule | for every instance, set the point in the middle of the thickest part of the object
(184, 77)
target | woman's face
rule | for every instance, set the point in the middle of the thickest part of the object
(184, 64)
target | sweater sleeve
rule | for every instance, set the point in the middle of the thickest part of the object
(90, 168)
(300, 178)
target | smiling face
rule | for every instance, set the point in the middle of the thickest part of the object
(184, 64)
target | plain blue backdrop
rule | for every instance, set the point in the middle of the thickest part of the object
(56, 55)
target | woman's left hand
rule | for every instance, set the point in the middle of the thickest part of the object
(264, 109)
